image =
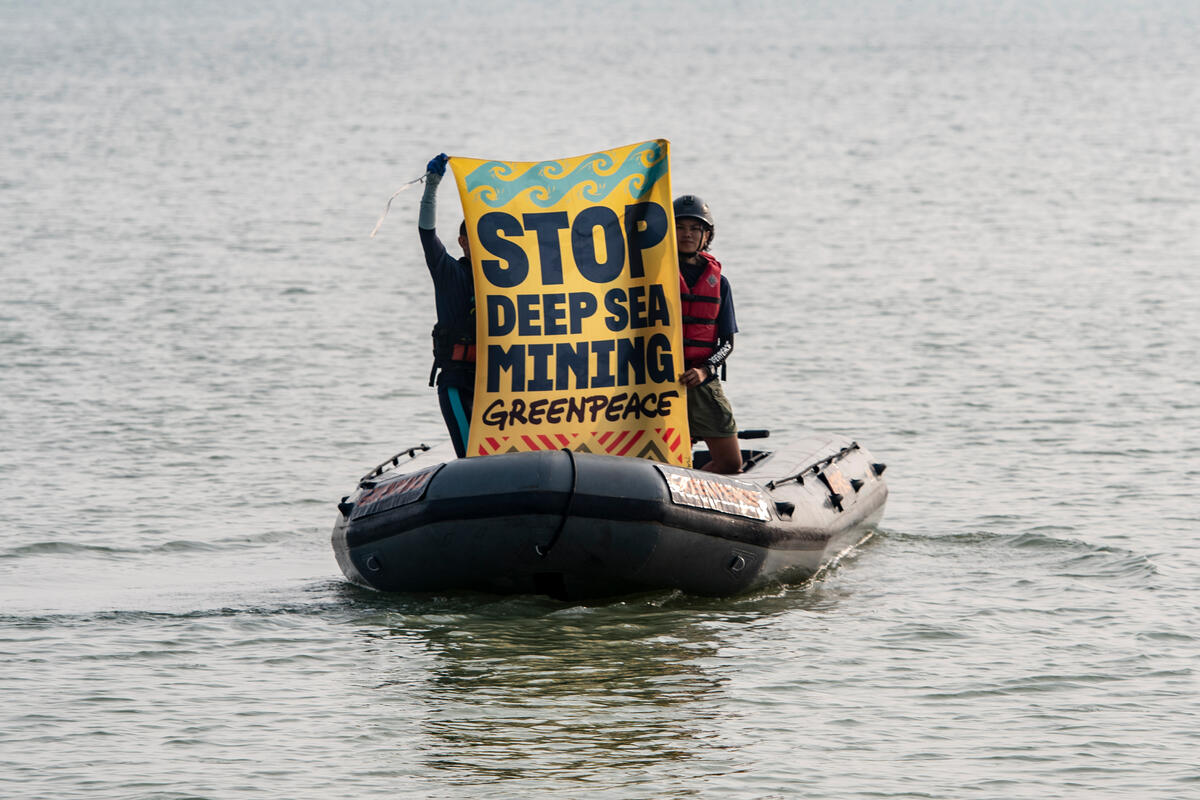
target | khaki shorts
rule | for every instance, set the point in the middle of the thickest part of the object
(709, 414)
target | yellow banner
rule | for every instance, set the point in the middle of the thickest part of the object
(578, 335)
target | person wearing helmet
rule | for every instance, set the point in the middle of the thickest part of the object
(708, 328)
(454, 297)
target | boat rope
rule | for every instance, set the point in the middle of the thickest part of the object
(388, 207)
(816, 467)
(543, 550)
(394, 461)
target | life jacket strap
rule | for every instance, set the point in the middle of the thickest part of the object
(462, 352)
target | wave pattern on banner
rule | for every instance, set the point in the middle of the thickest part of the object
(639, 173)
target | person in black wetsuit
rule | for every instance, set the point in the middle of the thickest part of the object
(454, 297)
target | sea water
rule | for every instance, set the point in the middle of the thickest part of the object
(965, 235)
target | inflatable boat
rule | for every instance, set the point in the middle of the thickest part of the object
(579, 525)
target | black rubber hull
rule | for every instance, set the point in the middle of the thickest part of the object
(580, 525)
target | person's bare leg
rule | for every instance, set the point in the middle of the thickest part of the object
(726, 454)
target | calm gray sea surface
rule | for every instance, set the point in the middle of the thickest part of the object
(965, 234)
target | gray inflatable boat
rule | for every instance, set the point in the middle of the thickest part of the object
(579, 525)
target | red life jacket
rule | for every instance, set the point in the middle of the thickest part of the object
(701, 304)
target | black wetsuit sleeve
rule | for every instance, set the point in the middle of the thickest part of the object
(726, 328)
(717, 359)
(435, 251)
(724, 348)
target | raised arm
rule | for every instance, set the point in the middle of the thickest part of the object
(434, 170)
(435, 251)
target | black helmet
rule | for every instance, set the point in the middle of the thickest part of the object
(689, 205)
